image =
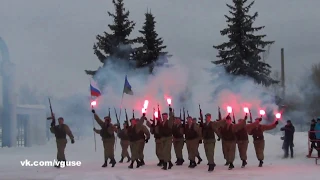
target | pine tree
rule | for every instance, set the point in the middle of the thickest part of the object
(241, 55)
(115, 44)
(152, 45)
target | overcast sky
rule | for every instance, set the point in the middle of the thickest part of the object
(51, 41)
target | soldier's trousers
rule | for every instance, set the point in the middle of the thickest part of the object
(259, 148)
(242, 148)
(61, 146)
(178, 147)
(230, 150)
(209, 146)
(141, 145)
(134, 148)
(198, 154)
(159, 149)
(108, 145)
(192, 147)
(167, 145)
(124, 146)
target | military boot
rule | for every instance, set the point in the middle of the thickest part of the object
(180, 162)
(129, 159)
(231, 166)
(142, 162)
(227, 163)
(138, 163)
(121, 160)
(193, 164)
(113, 162)
(260, 163)
(105, 163)
(57, 165)
(244, 163)
(211, 167)
(190, 164)
(165, 166)
(199, 159)
(170, 165)
(131, 165)
(160, 163)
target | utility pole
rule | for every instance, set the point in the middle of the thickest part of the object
(282, 73)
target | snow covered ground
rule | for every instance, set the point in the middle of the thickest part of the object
(83, 150)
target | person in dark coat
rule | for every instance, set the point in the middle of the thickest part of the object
(288, 139)
(312, 137)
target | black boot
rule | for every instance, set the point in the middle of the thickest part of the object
(160, 163)
(177, 161)
(260, 163)
(211, 167)
(227, 163)
(193, 164)
(131, 165)
(190, 164)
(199, 159)
(129, 159)
(231, 166)
(138, 163)
(105, 163)
(244, 163)
(180, 162)
(57, 165)
(142, 162)
(121, 160)
(170, 165)
(113, 162)
(165, 166)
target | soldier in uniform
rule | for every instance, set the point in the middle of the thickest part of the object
(61, 131)
(178, 140)
(258, 138)
(243, 141)
(154, 129)
(209, 129)
(107, 134)
(200, 140)
(143, 138)
(166, 138)
(192, 134)
(124, 142)
(135, 132)
(229, 139)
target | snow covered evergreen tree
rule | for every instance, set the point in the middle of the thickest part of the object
(152, 45)
(241, 55)
(115, 44)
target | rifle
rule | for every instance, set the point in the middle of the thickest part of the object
(127, 120)
(118, 122)
(53, 123)
(201, 116)
(250, 116)
(159, 114)
(133, 113)
(109, 113)
(180, 114)
(234, 118)
(188, 113)
(154, 119)
(219, 114)
(184, 118)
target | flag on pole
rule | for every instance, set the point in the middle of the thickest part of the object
(94, 90)
(127, 87)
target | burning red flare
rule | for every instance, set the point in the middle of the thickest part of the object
(143, 110)
(229, 109)
(93, 103)
(169, 101)
(262, 112)
(156, 114)
(278, 115)
(146, 103)
(246, 110)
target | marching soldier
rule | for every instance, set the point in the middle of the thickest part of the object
(194, 120)
(154, 129)
(135, 132)
(243, 141)
(143, 138)
(124, 142)
(229, 139)
(209, 129)
(258, 138)
(107, 134)
(166, 138)
(192, 134)
(61, 131)
(178, 140)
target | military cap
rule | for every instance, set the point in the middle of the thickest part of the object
(208, 114)
(107, 117)
(194, 119)
(164, 113)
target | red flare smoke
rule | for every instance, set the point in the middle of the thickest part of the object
(229, 109)
(93, 103)
(169, 101)
(246, 110)
(262, 112)
(278, 115)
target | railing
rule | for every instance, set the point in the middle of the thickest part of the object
(317, 148)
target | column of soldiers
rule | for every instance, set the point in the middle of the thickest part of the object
(167, 130)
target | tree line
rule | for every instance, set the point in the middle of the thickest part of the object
(241, 55)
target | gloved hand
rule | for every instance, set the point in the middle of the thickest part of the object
(260, 119)
(72, 141)
(246, 117)
(170, 109)
(218, 139)
(277, 122)
(146, 140)
(52, 124)
(93, 111)
(144, 114)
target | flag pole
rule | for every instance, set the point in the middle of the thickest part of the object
(94, 133)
